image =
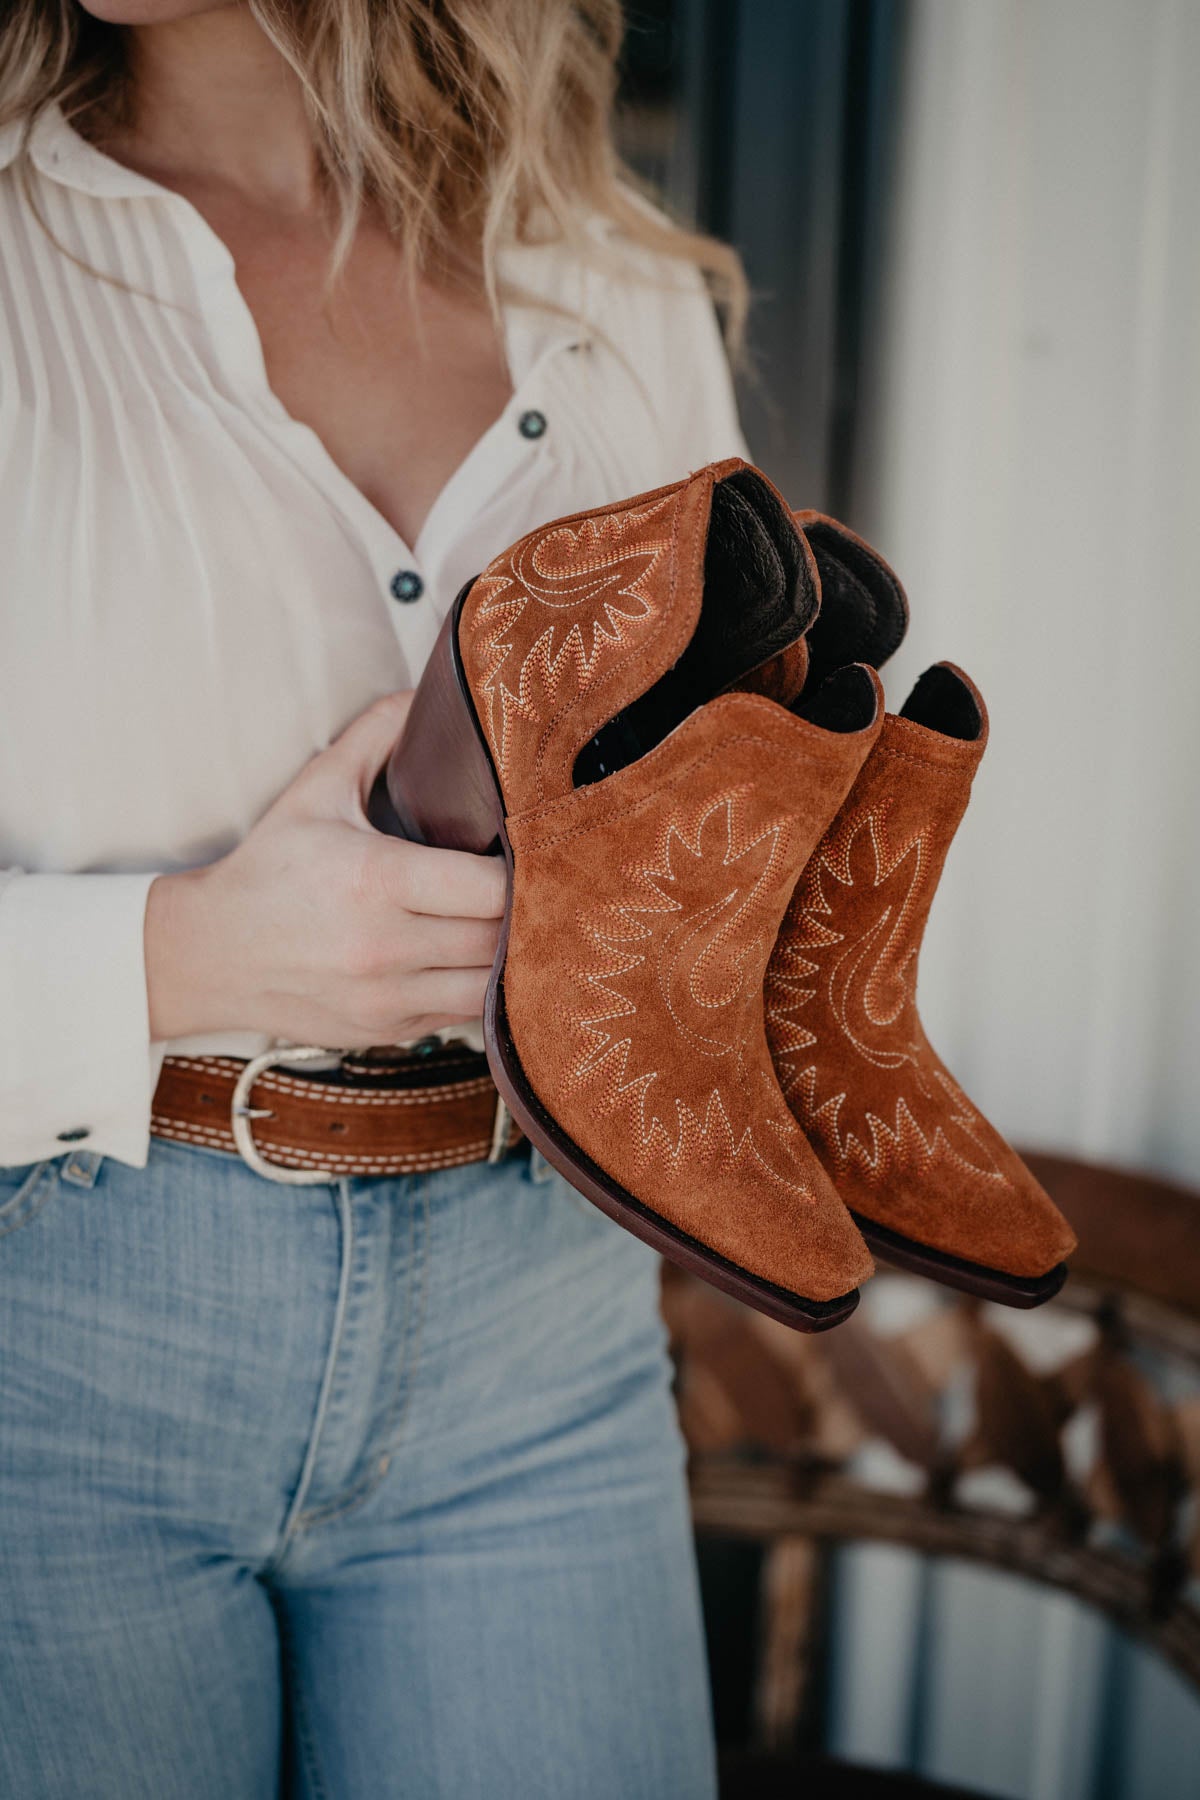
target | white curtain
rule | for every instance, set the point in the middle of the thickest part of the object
(1034, 473)
(1036, 479)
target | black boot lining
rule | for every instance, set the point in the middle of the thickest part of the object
(863, 610)
(845, 701)
(943, 702)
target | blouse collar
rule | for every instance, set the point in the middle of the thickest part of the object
(62, 154)
(59, 152)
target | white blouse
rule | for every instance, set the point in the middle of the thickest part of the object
(195, 599)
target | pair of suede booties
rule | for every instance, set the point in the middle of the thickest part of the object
(721, 854)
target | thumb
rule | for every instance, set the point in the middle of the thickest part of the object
(345, 771)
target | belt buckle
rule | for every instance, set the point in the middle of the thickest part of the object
(501, 1120)
(241, 1113)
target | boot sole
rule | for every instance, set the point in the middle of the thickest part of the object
(1024, 1291)
(448, 793)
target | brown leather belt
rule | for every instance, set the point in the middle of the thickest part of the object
(375, 1112)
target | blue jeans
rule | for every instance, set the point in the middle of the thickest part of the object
(347, 1492)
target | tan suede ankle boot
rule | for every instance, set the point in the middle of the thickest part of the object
(931, 1184)
(578, 711)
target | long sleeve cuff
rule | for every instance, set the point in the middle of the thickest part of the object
(76, 1062)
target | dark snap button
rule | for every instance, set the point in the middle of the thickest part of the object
(73, 1136)
(406, 584)
(532, 424)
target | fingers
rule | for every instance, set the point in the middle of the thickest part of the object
(433, 943)
(447, 883)
(344, 772)
(384, 1011)
(453, 993)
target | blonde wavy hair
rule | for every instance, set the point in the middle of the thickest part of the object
(462, 121)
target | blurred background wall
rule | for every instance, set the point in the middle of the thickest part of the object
(1034, 468)
(974, 234)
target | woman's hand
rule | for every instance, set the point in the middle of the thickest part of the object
(319, 929)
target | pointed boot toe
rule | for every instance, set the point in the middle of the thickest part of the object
(607, 705)
(933, 1186)
(985, 1227)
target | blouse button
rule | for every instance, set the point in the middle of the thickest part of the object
(406, 584)
(74, 1135)
(532, 424)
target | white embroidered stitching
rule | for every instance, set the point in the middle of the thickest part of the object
(795, 979)
(595, 584)
(656, 934)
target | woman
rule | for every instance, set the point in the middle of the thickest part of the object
(370, 1486)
